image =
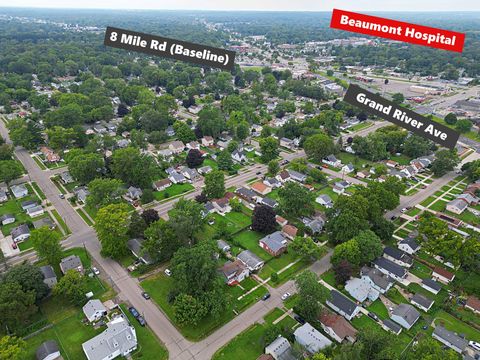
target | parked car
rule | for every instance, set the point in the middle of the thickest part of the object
(145, 295)
(266, 296)
(134, 312)
(373, 316)
(403, 210)
(61, 196)
(393, 217)
(299, 319)
(474, 345)
(286, 296)
(141, 321)
(168, 272)
(95, 271)
(14, 245)
(258, 173)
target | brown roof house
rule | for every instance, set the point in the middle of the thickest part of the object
(442, 275)
(473, 303)
(234, 272)
(289, 231)
(337, 327)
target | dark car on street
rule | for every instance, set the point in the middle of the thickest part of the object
(141, 321)
(134, 312)
(266, 296)
(300, 319)
(145, 295)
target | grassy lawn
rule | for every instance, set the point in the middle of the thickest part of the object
(427, 201)
(14, 207)
(84, 216)
(453, 324)
(273, 315)
(174, 190)
(357, 161)
(38, 190)
(149, 348)
(246, 346)
(438, 205)
(412, 212)
(276, 264)
(57, 184)
(329, 278)
(290, 272)
(160, 285)
(420, 270)
(61, 222)
(39, 163)
(394, 295)
(249, 240)
(378, 308)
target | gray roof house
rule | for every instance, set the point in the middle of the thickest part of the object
(48, 351)
(223, 246)
(342, 305)
(361, 290)
(269, 202)
(134, 193)
(49, 277)
(19, 191)
(379, 281)
(431, 285)
(280, 349)
(397, 256)
(94, 310)
(325, 200)
(251, 261)
(20, 233)
(119, 339)
(390, 268)
(297, 176)
(409, 245)
(28, 204)
(81, 193)
(66, 177)
(7, 219)
(311, 339)
(3, 195)
(272, 182)
(275, 243)
(405, 315)
(389, 325)
(136, 247)
(422, 302)
(46, 221)
(246, 194)
(71, 262)
(315, 225)
(450, 339)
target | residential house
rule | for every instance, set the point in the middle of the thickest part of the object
(19, 191)
(409, 171)
(177, 178)
(35, 211)
(46, 221)
(161, 185)
(176, 147)
(408, 245)
(391, 164)
(239, 156)
(280, 349)
(272, 182)
(297, 176)
(337, 327)
(222, 205)
(7, 219)
(223, 246)
(457, 206)
(3, 195)
(275, 243)
(190, 174)
(49, 277)
(422, 302)
(50, 155)
(310, 338)
(287, 143)
(442, 275)
(94, 310)
(207, 141)
(364, 174)
(389, 325)
(331, 160)
(134, 193)
(340, 186)
(136, 247)
(72, 262)
(166, 154)
(361, 290)
(234, 272)
(170, 131)
(325, 200)
(397, 256)
(450, 339)
(289, 231)
(405, 315)
(431, 285)
(280, 220)
(260, 188)
(81, 193)
(283, 176)
(342, 305)
(28, 204)
(247, 196)
(222, 145)
(205, 170)
(193, 145)
(377, 279)
(48, 351)
(66, 177)
(251, 261)
(256, 130)
(473, 303)
(390, 268)
(123, 143)
(98, 128)
(268, 202)
(119, 339)
(20, 233)
(315, 226)
(349, 168)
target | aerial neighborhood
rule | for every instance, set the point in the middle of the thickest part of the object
(160, 209)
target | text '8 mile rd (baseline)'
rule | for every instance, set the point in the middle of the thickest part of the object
(400, 116)
(169, 48)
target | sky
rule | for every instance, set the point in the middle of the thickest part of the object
(275, 5)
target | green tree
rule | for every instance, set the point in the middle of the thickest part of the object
(210, 121)
(188, 310)
(29, 277)
(104, 191)
(111, 225)
(445, 161)
(306, 247)
(25, 133)
(12, 348)
(73, 287)
(451, 119)
(12, 296)
(273, 167)
(263, 219)
(349, 251)
(132, 167)
(311, 295)
(86, 167)
(370, 246)
(183, 132)
(398, 98)
(295, 200)
(47, 244)
(472, 170)
(6, 151)
(225, 161)
(242, 131)
(186, 219)
(319, 146)
(161, 241)
(269, 149)
(10, 170)
(215, 184)
(463, 125)
(430, 349)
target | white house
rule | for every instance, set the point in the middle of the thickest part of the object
(19, 191)
(325, 200)
(332, 161)
(405, 315)
(342, 305)
(94, 310)
(35, 211)
(408, 245)
(239, 156)
(450, 339)
(422, 302)
(347, 169)
(311, 339)
(207, 141)
(20, 233)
